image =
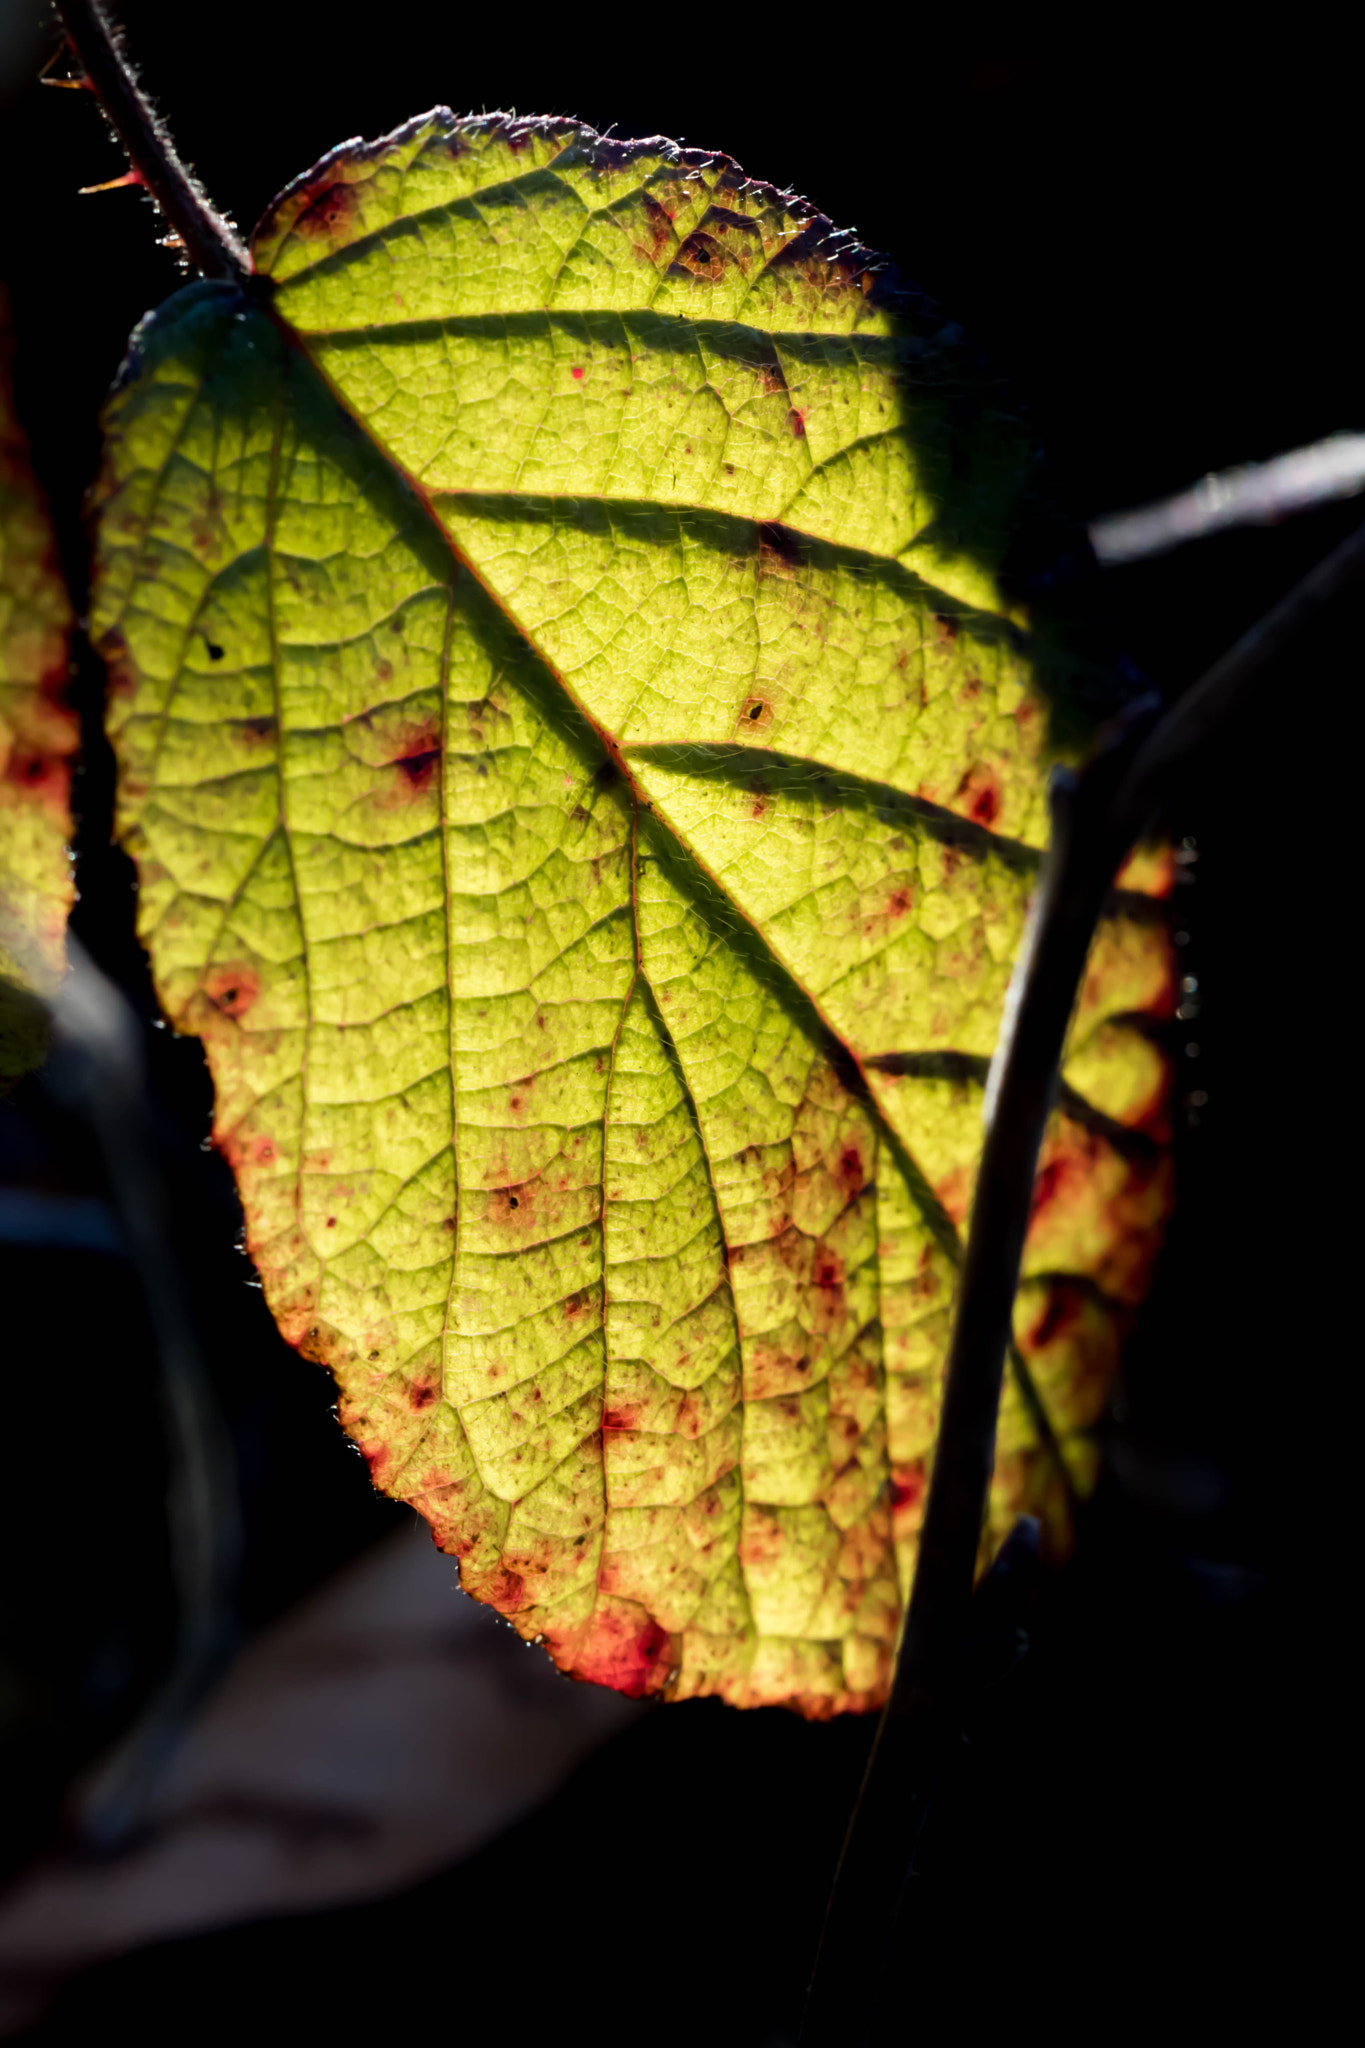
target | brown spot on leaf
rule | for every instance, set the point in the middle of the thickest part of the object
(700, 258)
(1060, 1309)
(779, 550)
(851, 1169)
(419, 768)
(329, 212)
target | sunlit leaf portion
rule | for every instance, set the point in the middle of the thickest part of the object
(587, 796)
(38, 735)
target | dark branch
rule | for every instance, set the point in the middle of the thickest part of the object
(1199, 715)
(209, 242)
(1096, 816)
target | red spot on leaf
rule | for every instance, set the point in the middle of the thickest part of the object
(827, 1272)
(43, 776)
(577, 371)
(232, 989)
(978, 794)
(908, 1488)
(627, 1650)
(797, 422)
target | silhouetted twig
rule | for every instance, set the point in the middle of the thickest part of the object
(1254, 494)
(210, 242)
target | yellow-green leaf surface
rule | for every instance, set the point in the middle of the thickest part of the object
(587, 799)
(38, 735)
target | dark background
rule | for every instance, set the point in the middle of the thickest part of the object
(1154, 236)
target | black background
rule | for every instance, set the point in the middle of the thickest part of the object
(1154, 236)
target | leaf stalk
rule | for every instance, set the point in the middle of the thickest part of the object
(1096, 817)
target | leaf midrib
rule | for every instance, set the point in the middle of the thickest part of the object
(917, 1180)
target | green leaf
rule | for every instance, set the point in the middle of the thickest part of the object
(588, 807)
(38, 735)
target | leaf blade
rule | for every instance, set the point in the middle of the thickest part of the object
(38, 736)
(565, 947)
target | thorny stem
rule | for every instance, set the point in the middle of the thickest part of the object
(1096, 816)
(209, 241)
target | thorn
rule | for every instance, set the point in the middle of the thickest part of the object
(64, 54)
(113, 184)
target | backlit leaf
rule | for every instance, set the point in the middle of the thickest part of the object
(38, 735)
(587, 793)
